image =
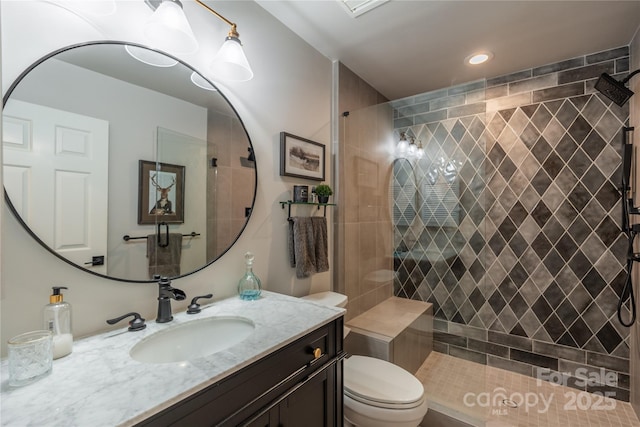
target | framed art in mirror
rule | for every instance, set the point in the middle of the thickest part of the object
(161, 197)
(301, 157)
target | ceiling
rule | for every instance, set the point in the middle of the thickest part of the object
(407, 47)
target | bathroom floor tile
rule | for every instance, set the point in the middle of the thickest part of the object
(484, 396)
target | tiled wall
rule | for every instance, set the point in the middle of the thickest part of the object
(529, 278)
(227, 143)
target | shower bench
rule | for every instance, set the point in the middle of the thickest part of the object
(398, 330)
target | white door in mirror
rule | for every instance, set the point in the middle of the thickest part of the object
(57, 162)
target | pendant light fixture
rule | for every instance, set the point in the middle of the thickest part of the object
(230, 63)
(403, 144)
(420, 151)
(168, 29)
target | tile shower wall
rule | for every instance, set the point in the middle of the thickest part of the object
(226, 215)
(525, 273)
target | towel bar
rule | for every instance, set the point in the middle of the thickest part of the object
(290, 202)
(126, 237)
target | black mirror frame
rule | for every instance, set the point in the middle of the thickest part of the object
(17, 216)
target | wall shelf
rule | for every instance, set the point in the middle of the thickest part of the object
(288, 203)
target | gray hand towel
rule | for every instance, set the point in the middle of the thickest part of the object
(164, 261)
(308, 249)
(319, 225)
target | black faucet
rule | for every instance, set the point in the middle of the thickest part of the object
(166, 292)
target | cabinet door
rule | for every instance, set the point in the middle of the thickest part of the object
(312, 405)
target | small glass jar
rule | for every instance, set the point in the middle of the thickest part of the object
(30, 357)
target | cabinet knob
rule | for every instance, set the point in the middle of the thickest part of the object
(317, 353)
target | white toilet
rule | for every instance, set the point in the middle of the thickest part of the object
(377, 393)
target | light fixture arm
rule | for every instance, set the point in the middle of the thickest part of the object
(233, 32)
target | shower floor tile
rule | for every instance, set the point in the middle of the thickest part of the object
(484, 396)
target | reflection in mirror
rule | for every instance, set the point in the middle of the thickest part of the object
(78, 125)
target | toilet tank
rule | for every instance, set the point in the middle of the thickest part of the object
(328, 298)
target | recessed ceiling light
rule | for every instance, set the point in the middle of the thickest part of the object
(479, 58)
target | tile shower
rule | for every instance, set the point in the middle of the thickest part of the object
(510, 223)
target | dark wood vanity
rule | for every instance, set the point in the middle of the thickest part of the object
(297, 385)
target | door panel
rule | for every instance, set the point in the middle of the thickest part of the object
(57, 162)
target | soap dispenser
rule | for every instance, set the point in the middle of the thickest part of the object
(57, 319)
(249, 287)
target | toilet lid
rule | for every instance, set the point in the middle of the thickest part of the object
(328, 299)
(380, 383)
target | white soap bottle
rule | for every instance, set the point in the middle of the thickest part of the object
(57, 319)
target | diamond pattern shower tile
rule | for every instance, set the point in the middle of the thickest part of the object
(567, 313)
(579, 163)
(553, 165)
(537, 237)
(566, 180)
(580, 332)
(593, 110)
(554, 327)
(540, 149)
(593, 145)
(594, 318)
(566, 114)
(593, 179)
(608, 126)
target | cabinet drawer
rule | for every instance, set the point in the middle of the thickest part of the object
(235, 398)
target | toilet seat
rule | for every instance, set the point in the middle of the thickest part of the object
(381, 384)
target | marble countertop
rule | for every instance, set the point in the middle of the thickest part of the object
(99, 384)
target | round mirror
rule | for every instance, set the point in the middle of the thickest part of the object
(126, 162)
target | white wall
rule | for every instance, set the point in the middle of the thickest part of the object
(290, 92)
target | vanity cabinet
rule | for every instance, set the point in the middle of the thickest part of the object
(297, 385)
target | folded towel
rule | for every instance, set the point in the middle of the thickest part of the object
(319, 224)
(164, 261)
(308, 248)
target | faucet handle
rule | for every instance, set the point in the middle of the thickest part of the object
(194, 307)
(137, 324)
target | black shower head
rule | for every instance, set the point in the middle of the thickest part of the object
(613, 89)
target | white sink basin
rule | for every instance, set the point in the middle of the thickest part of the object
(193, 339)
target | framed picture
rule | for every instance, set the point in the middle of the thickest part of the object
(301, 157)
(161, 193)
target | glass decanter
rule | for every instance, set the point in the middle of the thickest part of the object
(249, 287)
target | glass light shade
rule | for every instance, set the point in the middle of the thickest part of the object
(230, 63)
(168, 29)
(201, 82)
(402, 146)
(420, 152)
(150, 57)
(412, 149)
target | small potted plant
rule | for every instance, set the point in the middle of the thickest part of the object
(323, 191)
